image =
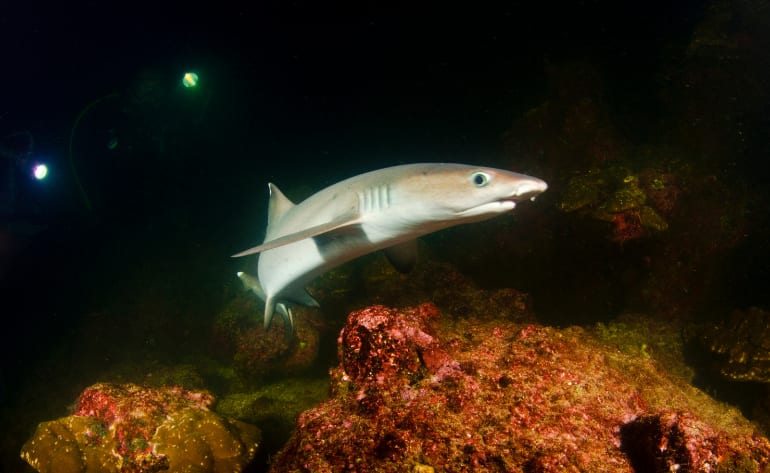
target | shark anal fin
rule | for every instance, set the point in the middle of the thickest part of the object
(323, 229)
(403, 256)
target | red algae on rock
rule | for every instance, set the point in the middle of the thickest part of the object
(413, 394)
(130, 428)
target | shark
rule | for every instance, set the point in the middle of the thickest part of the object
(385, 209)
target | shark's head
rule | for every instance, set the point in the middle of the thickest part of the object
(458, 193)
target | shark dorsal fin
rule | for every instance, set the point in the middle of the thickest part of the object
(340, 223)
(278, 206)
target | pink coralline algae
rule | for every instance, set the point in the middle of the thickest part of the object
(131, 429)
(414, 392)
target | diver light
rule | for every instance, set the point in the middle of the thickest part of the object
(40, 171)
(190, 80)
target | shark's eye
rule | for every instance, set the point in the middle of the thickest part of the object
(480, 179)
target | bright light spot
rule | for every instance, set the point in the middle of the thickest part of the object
(40, 171)
(190, 79)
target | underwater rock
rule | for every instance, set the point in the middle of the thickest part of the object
(239, 337)
(583, 190)
(153, 374)
(643, 335)
(627, 196)
(452, 291)
(674, 441)
(577, 112)
(741, 344)
(613, 194)
(661, 189)
(277, 404)
(274, 407)
(130, 428)
(693, 212)
(414, 393)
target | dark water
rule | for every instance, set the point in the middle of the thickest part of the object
(130, 265)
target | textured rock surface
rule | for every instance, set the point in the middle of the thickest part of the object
(129, 428)
(741, 345)
(412, 393)
(239, 338)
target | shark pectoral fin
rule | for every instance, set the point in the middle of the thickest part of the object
(403, 256)
(324, 228)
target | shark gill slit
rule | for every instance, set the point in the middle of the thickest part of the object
(385, 196)
(374, 199)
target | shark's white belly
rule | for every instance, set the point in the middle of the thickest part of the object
(289, 268)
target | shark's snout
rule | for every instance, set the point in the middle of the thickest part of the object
(529, 189)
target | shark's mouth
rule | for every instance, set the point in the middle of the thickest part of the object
(490, 208)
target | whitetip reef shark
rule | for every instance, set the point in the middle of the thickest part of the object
(384, 209)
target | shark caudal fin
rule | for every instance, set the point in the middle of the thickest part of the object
(271, 307)
(269, 312)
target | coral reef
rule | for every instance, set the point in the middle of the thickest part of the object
(414, 392)
(130, 429)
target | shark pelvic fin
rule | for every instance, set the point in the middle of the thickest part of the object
(301, 296)
(251, 283)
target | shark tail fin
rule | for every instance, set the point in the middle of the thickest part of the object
(269, 312)
(252, 283)
(271, 307)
